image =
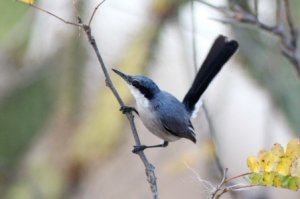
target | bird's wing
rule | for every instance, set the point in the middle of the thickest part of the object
(180, 130)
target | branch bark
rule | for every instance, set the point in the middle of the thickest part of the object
(149, 168)
(222, 188)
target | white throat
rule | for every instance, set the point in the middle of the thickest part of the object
(141, 100)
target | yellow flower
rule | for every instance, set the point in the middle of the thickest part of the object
(253, 164)
(27, 1)
(266, 160)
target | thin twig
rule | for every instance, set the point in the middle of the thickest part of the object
(235, 177)
(219, 187)
(206, 183)
(94, 12)
(287, 33)
(223, 181)
(233, 188)
(223, 188)
(57, 17)
(87, 29)
(149, 167)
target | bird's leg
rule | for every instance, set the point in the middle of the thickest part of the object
(143, 147)
(126, 109)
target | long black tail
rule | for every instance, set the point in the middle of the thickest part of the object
(220, 52)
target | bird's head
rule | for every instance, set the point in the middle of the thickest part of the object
(140, 86)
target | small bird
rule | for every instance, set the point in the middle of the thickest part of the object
(163, 114)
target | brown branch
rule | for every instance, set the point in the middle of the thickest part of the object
(53, 15)
(94, 12)
(223, 186)
(286, 33)
(148, 166)
(235, 177)
(150, 169)
(219, 187)
(232, 189)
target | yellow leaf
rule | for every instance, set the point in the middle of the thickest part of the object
(293, 148)
(295, 168)
(283, 166)
(266, 160)
(267, 178)
(253, 164)
(277, 167)
(277, 150)
(27, 1)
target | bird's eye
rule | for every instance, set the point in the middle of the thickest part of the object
(135, 83)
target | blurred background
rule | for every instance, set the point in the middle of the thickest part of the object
(61, 132)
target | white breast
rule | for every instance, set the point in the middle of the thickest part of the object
(148, 116)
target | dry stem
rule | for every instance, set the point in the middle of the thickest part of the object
(226, 185)
(284, 29)
(151, 178)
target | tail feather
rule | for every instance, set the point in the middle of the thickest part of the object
(218, 55)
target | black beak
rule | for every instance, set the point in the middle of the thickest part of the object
(127, 78)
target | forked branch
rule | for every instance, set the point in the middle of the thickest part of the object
(87, 30)
(284, 29)
(226, 185)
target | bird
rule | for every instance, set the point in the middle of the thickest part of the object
(162, 113)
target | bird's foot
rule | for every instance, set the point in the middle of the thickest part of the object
(128, 109)
(138, 148)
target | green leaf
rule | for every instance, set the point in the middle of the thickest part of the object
(293, 183)
(255, 179)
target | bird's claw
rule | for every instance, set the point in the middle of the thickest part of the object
(138, 148)
(128, 109)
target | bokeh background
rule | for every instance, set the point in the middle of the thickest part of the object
(62, 135)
